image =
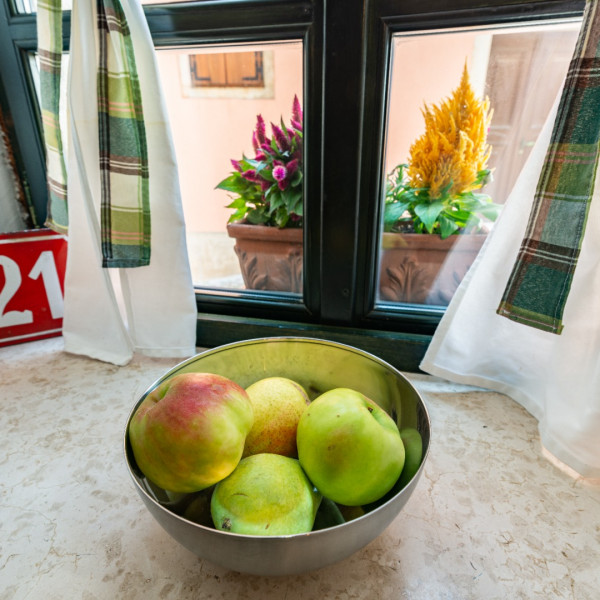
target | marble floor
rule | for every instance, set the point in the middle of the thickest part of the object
(491, 518)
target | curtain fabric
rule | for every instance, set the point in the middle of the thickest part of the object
(49, 33)
(556, 378)
(112, 313)
(538, 287)
(125, 202)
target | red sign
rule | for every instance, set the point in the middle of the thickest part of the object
(32, 275)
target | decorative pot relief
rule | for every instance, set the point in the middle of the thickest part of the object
(424, 269)
(405, 282)
(270, 258)
(276, 273)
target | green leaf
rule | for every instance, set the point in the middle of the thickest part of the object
(392, 212)
(483, 177)
(275, 200)
(447, 227)
(237, 203)
(298, 208)
(234, 183)
(296, 179)
(491, 211)
(428, 213)
(256, 217)
(281, 218)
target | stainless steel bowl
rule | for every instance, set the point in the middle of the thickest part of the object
(318, 365)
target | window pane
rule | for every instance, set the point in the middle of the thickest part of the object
(214, 96)
(494, 85)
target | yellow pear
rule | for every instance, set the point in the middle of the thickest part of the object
(278, 403)
(267, 494)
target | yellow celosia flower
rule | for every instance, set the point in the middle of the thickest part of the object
(453, 148)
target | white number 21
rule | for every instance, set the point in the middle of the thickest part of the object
(44, 266)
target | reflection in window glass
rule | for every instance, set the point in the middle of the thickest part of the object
(465, 109)
(214, 125)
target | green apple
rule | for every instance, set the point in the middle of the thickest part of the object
(349, 447)
(413, 446)
(189, 432)
(267, 494)
(278, 404)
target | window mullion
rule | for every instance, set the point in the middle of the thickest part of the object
(342, 115)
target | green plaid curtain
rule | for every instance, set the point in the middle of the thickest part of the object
(125, 208)
(123, 152)
(537, 289)
(49, 31)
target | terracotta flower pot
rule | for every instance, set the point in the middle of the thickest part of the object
(425, 269)
(270, 258)
(414, 268)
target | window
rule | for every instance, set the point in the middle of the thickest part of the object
(352, 63)
(514, 74)
(238, 69)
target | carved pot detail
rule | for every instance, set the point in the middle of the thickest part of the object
(270, 258)
(425, 269)
(414, 268)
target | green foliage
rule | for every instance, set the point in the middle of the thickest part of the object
(411, 209)
(268, 189)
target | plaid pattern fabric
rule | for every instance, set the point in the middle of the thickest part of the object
(537, 289)
(125, 200)
(49, 27)
(123, 152)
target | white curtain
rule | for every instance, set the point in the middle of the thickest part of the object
(112, 313)
(555, 377)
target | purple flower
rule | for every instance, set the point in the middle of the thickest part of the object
(260, 130)
(296, 125)
(297, 113)
(282, 141)
(279, 173)
(250, 175)
(236, 165)
(292, 167)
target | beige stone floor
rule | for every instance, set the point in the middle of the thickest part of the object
(491, 517)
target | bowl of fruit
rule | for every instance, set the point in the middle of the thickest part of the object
(277, 456)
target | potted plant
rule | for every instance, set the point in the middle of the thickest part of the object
(434, 199)
(268, 206)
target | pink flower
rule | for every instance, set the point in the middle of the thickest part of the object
(250, 175)
(260, 130)
(279, 173)
(236, 165)
(292, 167)
(282, 141)
(297, 114)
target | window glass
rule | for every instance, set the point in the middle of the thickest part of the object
(30, 6)
(211, 126)
(215, 96)
(465, 109)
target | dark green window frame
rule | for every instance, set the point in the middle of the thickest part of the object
(346, 56)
